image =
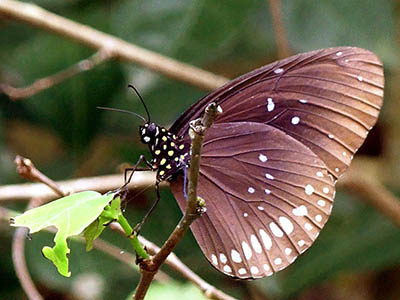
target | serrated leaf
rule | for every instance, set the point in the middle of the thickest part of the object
(70, 215)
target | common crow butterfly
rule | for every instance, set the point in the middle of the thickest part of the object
(270, 162)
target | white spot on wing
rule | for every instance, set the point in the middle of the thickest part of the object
(278, 261)
(246, 250)
(222, 258)
(278, 71)
(227, 269)
(339, 53)
(300, 211)
(295, 120)
(266, 239)
(214, 259)
(359, 77)
(267, 191)
(303, 101)
(320, 174)
(245, 215)
(318, 218)
(286, 224)
(331, 136)
(260, 207)
(262, 158)
(269, 176)
(236, 256)
(270, 104)
(275, 229)
(242, 271)
(255, 243)
(337, 170)
(288, 251)
(325, 190)
(309, 189)
(254, 270)
(301, 243)
(146, 139)
(251, 190)
(321, 202)
(308, 226)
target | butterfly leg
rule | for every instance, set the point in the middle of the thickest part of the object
(136, 168)
(138, 227)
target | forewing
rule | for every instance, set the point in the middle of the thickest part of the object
(267, 197)
(327, 99)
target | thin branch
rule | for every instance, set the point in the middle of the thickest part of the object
(279, 28)
(26, 191)
(372, 192)
(47, 82)
(19, 260)
(26, 169)
(38, 17)
(194, 207)
(174, 262)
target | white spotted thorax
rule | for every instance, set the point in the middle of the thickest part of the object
(170, 153)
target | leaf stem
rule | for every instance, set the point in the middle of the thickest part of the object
(137, 246)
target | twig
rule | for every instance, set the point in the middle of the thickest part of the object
(193, 208)
(19, 260)
(37, 16)
(47, 82)
(174, 262)
(26, 169)
(373, 193)
(26, 191)
(279, 28)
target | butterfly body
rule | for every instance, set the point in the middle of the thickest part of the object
(269, 163)
(170, 153)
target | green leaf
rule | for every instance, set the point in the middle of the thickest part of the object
(70, 215)
(109, 214)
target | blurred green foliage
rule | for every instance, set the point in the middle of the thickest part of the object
(61, 130)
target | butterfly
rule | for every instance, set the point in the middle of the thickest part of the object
(270, 162)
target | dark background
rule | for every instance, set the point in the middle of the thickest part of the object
(357, 255)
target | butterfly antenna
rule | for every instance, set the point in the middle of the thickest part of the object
(122, 111)
(141, 99)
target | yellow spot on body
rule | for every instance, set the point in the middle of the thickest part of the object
(181, 146)
(157, 152)
(170, 152)
(176, 159)
(172, 144)
(182, 156)
(168, 166)
(164, 138)
(174, 136)
(165, 147)
(162, 173)
(163, 129)
(163, 161)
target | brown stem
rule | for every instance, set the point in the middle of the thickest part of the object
(26, 169)
(26, 191)
(38, 17)
(19, 260)
(279, 28)
(193, 210)
(373, 193)
(47, 82)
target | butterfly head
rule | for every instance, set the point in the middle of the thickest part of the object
(149, 132)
